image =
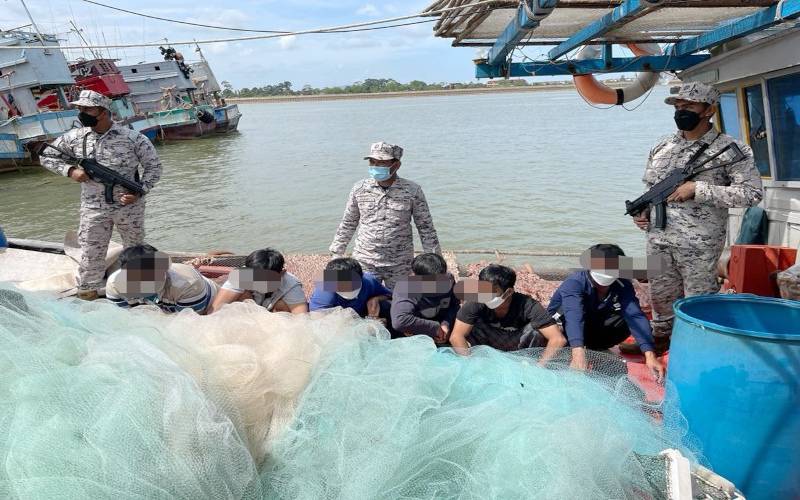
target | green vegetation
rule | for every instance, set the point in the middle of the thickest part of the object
(369, 86)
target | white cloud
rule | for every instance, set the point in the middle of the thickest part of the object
(231, 18)
(216, 48)
(368, 10)
(287, 42)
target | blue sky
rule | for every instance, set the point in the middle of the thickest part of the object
(404, 54)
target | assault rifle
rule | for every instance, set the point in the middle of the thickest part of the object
(100, 173)
(658, 194)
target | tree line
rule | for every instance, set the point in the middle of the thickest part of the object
(368, 86)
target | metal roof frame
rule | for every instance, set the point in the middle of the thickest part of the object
(613, 26)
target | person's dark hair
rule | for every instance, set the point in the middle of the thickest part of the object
(427, 264)
(606, 250)
(344, 264)
(501, 276)
(267, 258)
(135, 253)
(13, 300)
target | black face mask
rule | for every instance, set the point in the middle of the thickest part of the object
(87, 120)
(686, 120)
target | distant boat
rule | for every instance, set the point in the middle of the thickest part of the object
(33, 97)
(226, 115)
(182, 100)
(103, 76)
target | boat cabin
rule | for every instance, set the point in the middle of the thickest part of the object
(159, 86)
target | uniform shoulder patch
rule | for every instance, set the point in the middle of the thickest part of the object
(133, 135)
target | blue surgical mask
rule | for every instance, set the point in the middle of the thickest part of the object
(380, 173)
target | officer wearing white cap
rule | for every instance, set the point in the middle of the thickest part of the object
(697, 212)
(381, 209)
(120, 149)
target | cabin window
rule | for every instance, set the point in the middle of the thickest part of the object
(757, 128)
(784, 103)
(158, 68)
(134, 70)
(729, 115)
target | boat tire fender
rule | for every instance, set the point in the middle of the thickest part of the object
(204, 116)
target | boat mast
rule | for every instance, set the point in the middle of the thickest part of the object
(202, 58)
(33, 23)
(80, 34)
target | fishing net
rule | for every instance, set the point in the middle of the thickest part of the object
(90, 407)
(402, 419)
(255, 364)
(99, 402)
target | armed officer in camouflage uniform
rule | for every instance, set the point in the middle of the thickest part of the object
(120, 149)
(697, 212)
(383, 207)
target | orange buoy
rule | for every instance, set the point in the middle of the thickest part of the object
(599, 93)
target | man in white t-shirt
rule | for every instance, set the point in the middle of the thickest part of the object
(147, 277)
(264, 280)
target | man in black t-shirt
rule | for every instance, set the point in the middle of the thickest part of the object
(502, 318)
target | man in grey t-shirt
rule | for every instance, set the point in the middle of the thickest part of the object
(264, 280)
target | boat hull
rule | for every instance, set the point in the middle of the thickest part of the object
(185, 131)
(182, 123)
(227, 118)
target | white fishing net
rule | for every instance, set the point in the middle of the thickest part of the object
(99, 402)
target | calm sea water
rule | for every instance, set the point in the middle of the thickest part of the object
(513, 171)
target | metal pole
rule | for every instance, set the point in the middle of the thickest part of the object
(33, 23)
(84, 40)
(202, 58)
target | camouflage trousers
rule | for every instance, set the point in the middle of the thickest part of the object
(94, 234)
(687, 272)
(389, 275)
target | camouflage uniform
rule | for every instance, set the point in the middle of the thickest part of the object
(122, 150)
(694, 236)
(384, 244)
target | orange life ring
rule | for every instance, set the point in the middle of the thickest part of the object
(599, 93)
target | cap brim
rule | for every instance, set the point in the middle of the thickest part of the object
(87, 104)
(382, 158)
(672, 100)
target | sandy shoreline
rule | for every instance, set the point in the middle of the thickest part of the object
(390, 95)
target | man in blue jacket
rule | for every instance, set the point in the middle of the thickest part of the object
(599, 310)
(346, 285)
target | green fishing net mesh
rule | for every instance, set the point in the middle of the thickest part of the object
(100, 402)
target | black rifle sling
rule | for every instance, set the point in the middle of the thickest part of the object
(696, 156)
(86, 138)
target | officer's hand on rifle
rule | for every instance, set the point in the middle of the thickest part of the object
(78, 174)
(642, 220)
(127, 199)
(684, 192)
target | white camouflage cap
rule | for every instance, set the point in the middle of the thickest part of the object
(90, 98)
(695, 92)
(384, 151)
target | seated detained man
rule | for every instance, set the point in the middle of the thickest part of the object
(344, 284)
(496, 315)
(147, 277)
(265, 281)
(424, 303)
(600, 310)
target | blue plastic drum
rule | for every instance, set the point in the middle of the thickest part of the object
(735, 366)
